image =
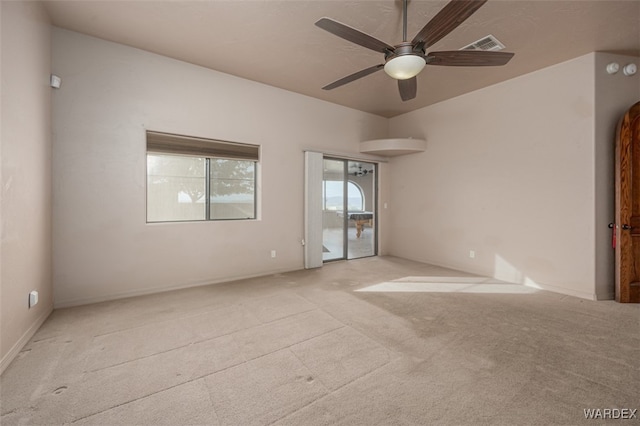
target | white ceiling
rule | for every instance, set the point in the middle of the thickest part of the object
(276, 42)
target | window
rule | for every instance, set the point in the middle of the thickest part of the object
(192, 179)
(355, 197)
(232, 189)
(333, 195)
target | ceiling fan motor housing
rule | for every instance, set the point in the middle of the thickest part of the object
(404, 62)
(402, 49)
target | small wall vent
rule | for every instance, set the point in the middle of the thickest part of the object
(488, 43)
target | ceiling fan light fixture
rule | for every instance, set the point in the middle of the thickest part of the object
(404, 67)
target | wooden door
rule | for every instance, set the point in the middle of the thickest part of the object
(627, 225)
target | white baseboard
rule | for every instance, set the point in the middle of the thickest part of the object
(17, 347)
(562, 290)
(546, 287)
(123, 295)
(609, 295)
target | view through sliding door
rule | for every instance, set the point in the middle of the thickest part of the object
(348, 209)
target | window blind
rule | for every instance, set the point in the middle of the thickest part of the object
(168, 143)
(313, 168)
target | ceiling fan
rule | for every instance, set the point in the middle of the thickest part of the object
(404, 61)
(360, 172)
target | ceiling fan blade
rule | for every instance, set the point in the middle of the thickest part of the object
(468, 58)
(452, 15)
(356, 75)
(353, 35)
(408, 88)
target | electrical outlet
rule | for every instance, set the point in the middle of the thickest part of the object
(472, 254)
(33, 298)
(273, 254)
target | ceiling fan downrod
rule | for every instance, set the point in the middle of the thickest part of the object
(404, 21)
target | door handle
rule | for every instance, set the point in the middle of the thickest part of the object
(626, 227)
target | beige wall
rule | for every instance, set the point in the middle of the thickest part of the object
(25, 212)
(518, 172)
(110, 95)
(510, 172)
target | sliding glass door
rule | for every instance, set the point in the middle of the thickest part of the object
(348, 221)
(333, 200)
(361, 197)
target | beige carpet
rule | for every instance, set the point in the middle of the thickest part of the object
(375, 341)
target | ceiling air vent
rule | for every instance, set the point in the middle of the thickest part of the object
(488, 43)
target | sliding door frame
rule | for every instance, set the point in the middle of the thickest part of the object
(345, 206)
(313, 207)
